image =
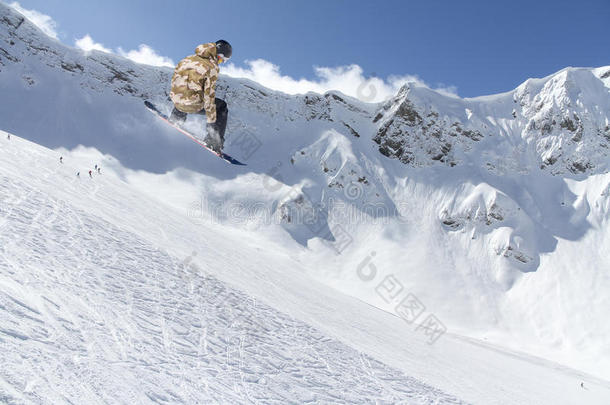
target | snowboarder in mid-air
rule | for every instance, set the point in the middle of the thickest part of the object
(194, 90)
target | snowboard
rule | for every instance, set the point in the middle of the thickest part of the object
(152, 108)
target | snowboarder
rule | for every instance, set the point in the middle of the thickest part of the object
(194, 90)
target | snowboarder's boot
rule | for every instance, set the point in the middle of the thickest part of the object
(177, 117)
(213, 138)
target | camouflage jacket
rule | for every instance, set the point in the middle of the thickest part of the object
(194, 82)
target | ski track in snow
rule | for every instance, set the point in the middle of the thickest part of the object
(90, 313)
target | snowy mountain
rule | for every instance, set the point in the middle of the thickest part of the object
(558, 124)
(489, 213)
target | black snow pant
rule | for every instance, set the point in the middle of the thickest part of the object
(216, 130)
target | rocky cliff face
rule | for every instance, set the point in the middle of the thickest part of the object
(22, 43)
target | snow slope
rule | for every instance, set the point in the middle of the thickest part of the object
(92, 312)
(492, 212)
(101, 304)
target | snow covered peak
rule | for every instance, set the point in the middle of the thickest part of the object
(560, 123)
(566, 115)
(570, 87)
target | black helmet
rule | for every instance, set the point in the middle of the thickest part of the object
(224, 49)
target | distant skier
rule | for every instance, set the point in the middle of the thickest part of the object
(95, 167)
(78, 174)
(61, 159)
(8, 136)
(99, 170)
(194, 90)
(90, 174)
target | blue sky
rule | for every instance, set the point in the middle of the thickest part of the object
(472, 47)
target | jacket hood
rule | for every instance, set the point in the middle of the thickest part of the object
(206, 51)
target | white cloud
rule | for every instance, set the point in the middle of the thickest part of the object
(42, 21)
(447, 90)
(87, 44)
(349, 80)
(145, 54)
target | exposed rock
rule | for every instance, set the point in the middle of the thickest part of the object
(351, 130)
(72, 67)
(6, 55)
